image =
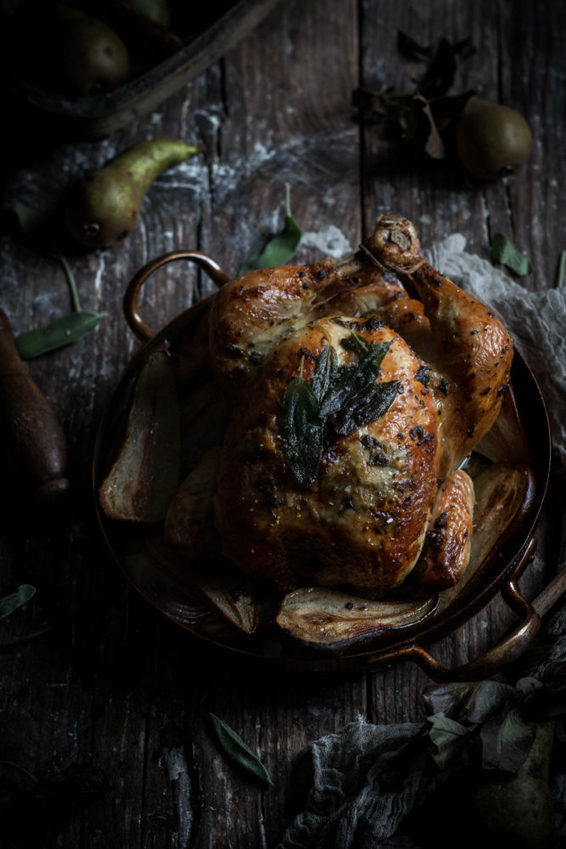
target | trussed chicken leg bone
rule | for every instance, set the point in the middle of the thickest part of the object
(471, 347)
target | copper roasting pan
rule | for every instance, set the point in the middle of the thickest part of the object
(499, 571)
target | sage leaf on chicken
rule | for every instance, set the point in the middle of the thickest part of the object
(348, 394)
(237, 751)
(366, 406)
(347, 381)
(301, 430)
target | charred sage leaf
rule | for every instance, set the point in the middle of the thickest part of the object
(237, 751)
(504, 252)
(366, 407)
(63, 331)
(12, 602)
(301, 429)
(325, 372)
(343, 397)
(281, 247)
(349, 381)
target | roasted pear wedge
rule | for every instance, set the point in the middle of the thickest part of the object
(503, 493)
(189, 527)
(227, 591)
(144, 476)
(325, 617)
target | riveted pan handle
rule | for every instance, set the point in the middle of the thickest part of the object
(130, 303)
(506, 651)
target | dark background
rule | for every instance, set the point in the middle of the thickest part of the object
(113, 696)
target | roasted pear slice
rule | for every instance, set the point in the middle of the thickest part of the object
(144, 477)
(189, 526)
(227, 590)
(504, 493)
(204, 416)
(326, 617)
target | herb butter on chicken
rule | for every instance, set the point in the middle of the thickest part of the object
(353, 405)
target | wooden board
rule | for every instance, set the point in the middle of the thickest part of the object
(112, 686)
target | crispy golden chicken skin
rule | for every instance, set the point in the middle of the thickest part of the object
(382, 498)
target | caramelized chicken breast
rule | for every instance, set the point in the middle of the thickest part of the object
(353, 404)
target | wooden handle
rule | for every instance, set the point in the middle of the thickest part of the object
(32, 438)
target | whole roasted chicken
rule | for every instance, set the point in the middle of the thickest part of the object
(355, 400)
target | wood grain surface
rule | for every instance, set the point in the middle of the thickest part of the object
(112, 688)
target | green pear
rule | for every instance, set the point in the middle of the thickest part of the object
(520, 810)
(104, 207)
(492, 139)
(89, 55)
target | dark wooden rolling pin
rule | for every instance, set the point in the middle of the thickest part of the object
(32, 438)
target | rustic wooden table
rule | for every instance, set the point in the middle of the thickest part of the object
(113, 689)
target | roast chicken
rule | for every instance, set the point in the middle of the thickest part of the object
(358, 388)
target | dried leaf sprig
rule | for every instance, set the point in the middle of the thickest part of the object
(421, 115)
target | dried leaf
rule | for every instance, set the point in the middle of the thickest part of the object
(447, 737)
(468, 703)
(237, 751)
(12, 602)
(506, 742)
(441, 60)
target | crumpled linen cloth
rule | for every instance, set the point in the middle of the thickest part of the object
(350, 805)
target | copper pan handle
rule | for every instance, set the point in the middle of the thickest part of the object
(130, 303)
(505, 652)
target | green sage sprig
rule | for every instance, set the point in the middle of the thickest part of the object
(340, 398)
(281, 247)
(10, 603)
(505, 253)
(237, 751)
(301, 428)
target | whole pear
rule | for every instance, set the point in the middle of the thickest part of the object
(519, 810)
(104, 207)
(91, 56)
(492, 139)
